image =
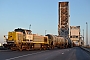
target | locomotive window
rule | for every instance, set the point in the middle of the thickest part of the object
(76, 36)
(70, 36)
(27, 32)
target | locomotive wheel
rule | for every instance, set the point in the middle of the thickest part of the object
(20, 49)
(13, 48)
(28, 49)
(44, 48)
(40, 48)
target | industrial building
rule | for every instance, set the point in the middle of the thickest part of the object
(81, 42)
(64, 30)
(75, 34)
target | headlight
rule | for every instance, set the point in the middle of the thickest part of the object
(32, 46)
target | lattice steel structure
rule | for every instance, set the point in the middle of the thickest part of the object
(63, 23)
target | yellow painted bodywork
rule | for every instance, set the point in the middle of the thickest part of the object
(42, 40)
(11, 36)
(17, 37)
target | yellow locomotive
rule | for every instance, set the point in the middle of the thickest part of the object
(21, 39)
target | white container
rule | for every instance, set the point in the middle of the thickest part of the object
(0, 44)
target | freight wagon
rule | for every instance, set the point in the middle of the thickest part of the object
(59, 42)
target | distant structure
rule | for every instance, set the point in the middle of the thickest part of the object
(1, 44)
(75, 34)
(81, 42)
(87, 34)
(83, 38)
(63, 21)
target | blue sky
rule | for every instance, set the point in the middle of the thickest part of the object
(41, 14)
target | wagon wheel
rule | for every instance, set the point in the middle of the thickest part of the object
(20, 48)
(13, 48)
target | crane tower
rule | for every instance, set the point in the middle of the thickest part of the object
(63, 23)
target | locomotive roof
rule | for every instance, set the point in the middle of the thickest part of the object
(21, 29)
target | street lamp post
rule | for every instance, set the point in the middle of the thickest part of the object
(86, 33)
(45, 32)
(83, 36)
(29, 26)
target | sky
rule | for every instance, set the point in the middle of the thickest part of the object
(42, 15)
